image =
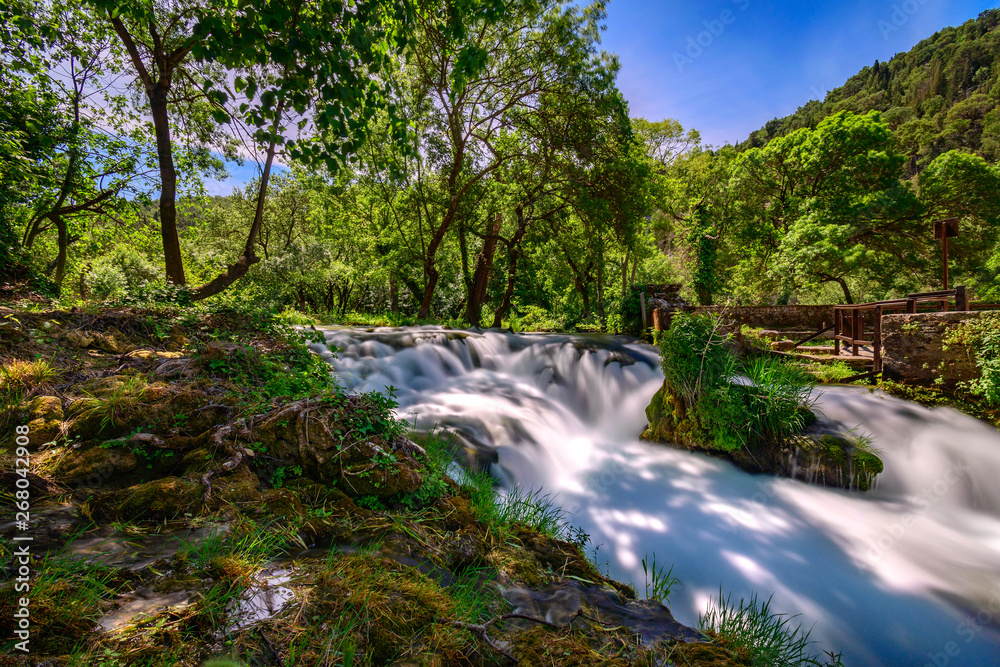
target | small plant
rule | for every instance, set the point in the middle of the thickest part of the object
(658, 583)
(26, 375)
(117, 405)
(838, 371)
(750, 627)
(770, 402)
(532, 509)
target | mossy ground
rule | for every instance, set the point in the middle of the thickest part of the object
(179, 429)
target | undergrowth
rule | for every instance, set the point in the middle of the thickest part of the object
(767, 405)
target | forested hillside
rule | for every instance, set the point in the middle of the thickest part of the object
(941, 95)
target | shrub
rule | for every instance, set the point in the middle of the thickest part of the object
(766, 405)
(982, 337)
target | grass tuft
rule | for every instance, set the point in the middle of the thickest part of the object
(752, 629)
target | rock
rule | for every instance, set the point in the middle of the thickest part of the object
(160, 499)
(80, 339)
(46, 408)
(42, 432)
(783, 345)
(153, 355)
(95, 466)
(561, 603)
(827, 454)
(176, 368)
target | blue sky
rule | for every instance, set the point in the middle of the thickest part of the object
(726, 67)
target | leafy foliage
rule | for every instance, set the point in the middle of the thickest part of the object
(766, 405)
(981, 337)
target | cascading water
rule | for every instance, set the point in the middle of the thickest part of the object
(906, 575)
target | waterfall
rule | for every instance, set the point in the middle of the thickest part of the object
(908, 574)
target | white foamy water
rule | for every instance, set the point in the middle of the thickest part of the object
(907, 575)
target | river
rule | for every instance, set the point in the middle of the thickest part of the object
(905, 575)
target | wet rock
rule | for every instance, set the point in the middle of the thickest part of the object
(829, 455)
(561, 603)
(50, 524)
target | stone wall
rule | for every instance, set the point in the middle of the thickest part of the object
(913, 348)
(775, 317)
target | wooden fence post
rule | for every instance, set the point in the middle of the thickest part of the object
(877, 344)
(961, 299)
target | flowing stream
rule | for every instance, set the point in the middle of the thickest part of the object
(906, 575)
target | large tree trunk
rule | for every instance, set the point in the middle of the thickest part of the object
(600, 289)
(580, 282)
(481, 277)
(827, 278)
(168, 185)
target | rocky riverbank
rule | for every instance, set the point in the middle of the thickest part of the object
(199, 489)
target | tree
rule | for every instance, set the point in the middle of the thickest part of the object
(474, 122)
(316, 61)
(831, 201)
(964, 186)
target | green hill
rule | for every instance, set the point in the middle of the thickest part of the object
(941, 95)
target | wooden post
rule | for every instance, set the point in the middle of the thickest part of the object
(944, 257)
(943, 229)
(911, 306)
(877, 344)
(838, 319)
(859, 328)
(961, 299)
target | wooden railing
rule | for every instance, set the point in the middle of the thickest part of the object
(849, 321)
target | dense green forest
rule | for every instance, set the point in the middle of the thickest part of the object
(468, 161)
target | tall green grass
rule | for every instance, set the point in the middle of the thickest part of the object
(736, 403)
(517, 507)
(768, 639)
